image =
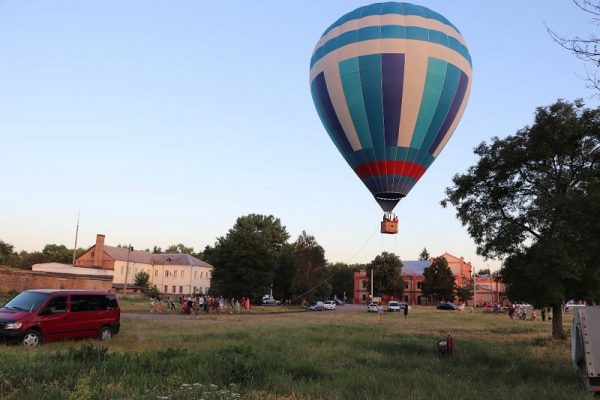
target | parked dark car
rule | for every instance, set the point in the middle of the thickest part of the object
(40, 315)
(447, 306)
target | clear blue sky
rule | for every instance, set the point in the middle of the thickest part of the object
(164, 121)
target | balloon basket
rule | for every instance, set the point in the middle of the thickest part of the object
(389, 227)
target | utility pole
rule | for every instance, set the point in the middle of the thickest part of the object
(127, 269)
(76, 234)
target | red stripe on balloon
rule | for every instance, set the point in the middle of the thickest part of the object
(405, 168)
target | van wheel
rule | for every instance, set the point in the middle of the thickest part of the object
(32, 338)
(105, 333)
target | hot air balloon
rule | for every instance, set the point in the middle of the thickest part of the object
(390, 82)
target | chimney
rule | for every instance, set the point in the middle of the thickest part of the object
(99, 251)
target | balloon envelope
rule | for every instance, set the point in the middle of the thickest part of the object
(390, 82)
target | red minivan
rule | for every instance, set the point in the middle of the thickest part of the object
(51, 314)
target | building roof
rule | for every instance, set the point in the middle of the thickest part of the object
(179, 259)
(120, 254)
(144, 257)
(415, 266)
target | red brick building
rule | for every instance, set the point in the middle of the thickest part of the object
(412, 273)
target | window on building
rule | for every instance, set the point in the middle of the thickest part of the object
(419, 285)
(166, 272)
(194, 289)
(155, 272)
(175, 274)
(406, 299)
(174, 289)
(92, 254)
(182, 273)
(364, 283)
(201, 274)
(166, 289)
(180, 289)
(405, 285)
(195, 274)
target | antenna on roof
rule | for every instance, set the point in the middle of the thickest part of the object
(76, 234)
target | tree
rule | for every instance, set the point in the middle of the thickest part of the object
(341, 277)
(245, 259)
(483, 271)
(387, 275)
(531, 200)
(585, 48)
(141, 279)
(424, 256)
(178, 248)
(8, 255)
(284, 273)
(465, 290)
(58, 253)
(438, 280)
(310, 269)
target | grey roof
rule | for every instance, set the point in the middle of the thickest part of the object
(415, 266)
(178, 259)
(120, 254)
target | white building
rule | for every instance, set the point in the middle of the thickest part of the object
(170, 273)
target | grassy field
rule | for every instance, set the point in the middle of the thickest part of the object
(324, 355)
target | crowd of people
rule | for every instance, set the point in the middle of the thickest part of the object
(195, 305)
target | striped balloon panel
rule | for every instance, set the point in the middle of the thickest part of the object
(390, 82)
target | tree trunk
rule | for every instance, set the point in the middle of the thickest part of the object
(557, 327)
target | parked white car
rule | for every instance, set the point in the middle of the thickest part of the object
(394, 306)
(372, 307)
(329, 305)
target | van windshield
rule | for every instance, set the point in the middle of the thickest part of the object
(27, 301)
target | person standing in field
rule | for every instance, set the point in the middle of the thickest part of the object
(379, 313)
(543, 314)
(405, 311)
(511, 312)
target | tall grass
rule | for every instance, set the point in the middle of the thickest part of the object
(300, 356)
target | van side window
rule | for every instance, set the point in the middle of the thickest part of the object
(81, 303)
(57, 305)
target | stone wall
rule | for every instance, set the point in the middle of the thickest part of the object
(13, 279)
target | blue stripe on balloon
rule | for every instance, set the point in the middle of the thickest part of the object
(329, 118)
(451, 82)
(389, 32)
(390, 8)
(434, 82)
(350, 77)
(370, 79)
(392, 71)
(452, 113)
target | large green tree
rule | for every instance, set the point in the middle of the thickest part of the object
(341, 277)
(532, 200)
(7, 253)
(387, 275)
(438, 281)
(245, 259)
(310, 277)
